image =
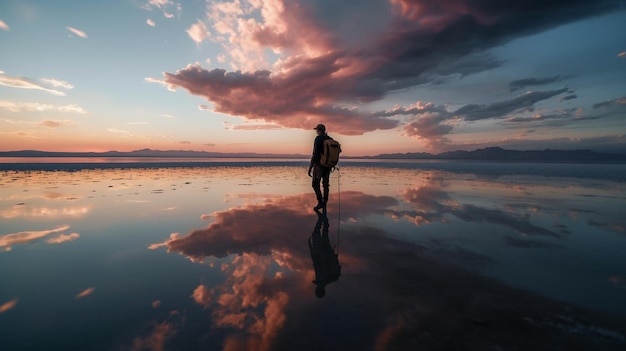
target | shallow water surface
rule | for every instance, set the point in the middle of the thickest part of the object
(233, 257)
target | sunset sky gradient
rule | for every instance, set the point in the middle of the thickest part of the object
(257, 75)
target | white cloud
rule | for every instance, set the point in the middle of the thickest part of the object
(57, 83)
(72, 108)
(167, 7)
(4, 26)
(6, 241)
(77, 32)
(25, 83)
(43, 212)
(150, 22)
(154, 80)
(160, 82)
(25, 106)
(118, 131)
(39, 107)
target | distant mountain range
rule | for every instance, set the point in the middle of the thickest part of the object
(489, 153)
(145, 153)
(500, 154)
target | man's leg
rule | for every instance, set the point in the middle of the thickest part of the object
(325, 183)
(315, 183)
(316, 189)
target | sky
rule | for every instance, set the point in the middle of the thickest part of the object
(384, 76)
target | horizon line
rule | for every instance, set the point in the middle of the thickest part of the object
(493, 152)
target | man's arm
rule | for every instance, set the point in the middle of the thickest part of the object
(316, 152)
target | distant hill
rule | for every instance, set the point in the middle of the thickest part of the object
(500, 154)
(487, 154)
(146, 153)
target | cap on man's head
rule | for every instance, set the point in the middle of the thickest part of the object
(320, 127)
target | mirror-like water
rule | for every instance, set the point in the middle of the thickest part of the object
(232, 257)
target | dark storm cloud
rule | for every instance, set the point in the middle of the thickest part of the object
(569, 97)
(614, 108)
(471, 213)
(619, 103)
(529, 244)
(457, 28)
(538, 118)
(558, 119)
(419, 108)
(612, 227)
(433, 205)
(433, 123)
(523, 83)
(467, 65)
(424, 39)
(474, 112)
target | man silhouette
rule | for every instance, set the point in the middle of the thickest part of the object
(325, 260)
(320, 173)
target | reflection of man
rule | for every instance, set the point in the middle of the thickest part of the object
(320, 173)
(325, 260)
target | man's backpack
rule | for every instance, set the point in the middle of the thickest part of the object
(330, 156)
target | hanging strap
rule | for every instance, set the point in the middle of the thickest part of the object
(339, 207)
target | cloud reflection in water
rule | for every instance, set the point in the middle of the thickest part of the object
(414, 248)
(394, 292)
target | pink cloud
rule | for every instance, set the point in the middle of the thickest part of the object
(295, 65)
(246, 28)
(307, 83)
(63, 238)
(429, 126)
(256, 127)
(300, 98)
(254, 298)
(245, 303)
(8, 305)
(156, 339)
(52, 124)
(202, 296)
(198, 32)
(85, 292)
(251, 223)
(398, 287)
